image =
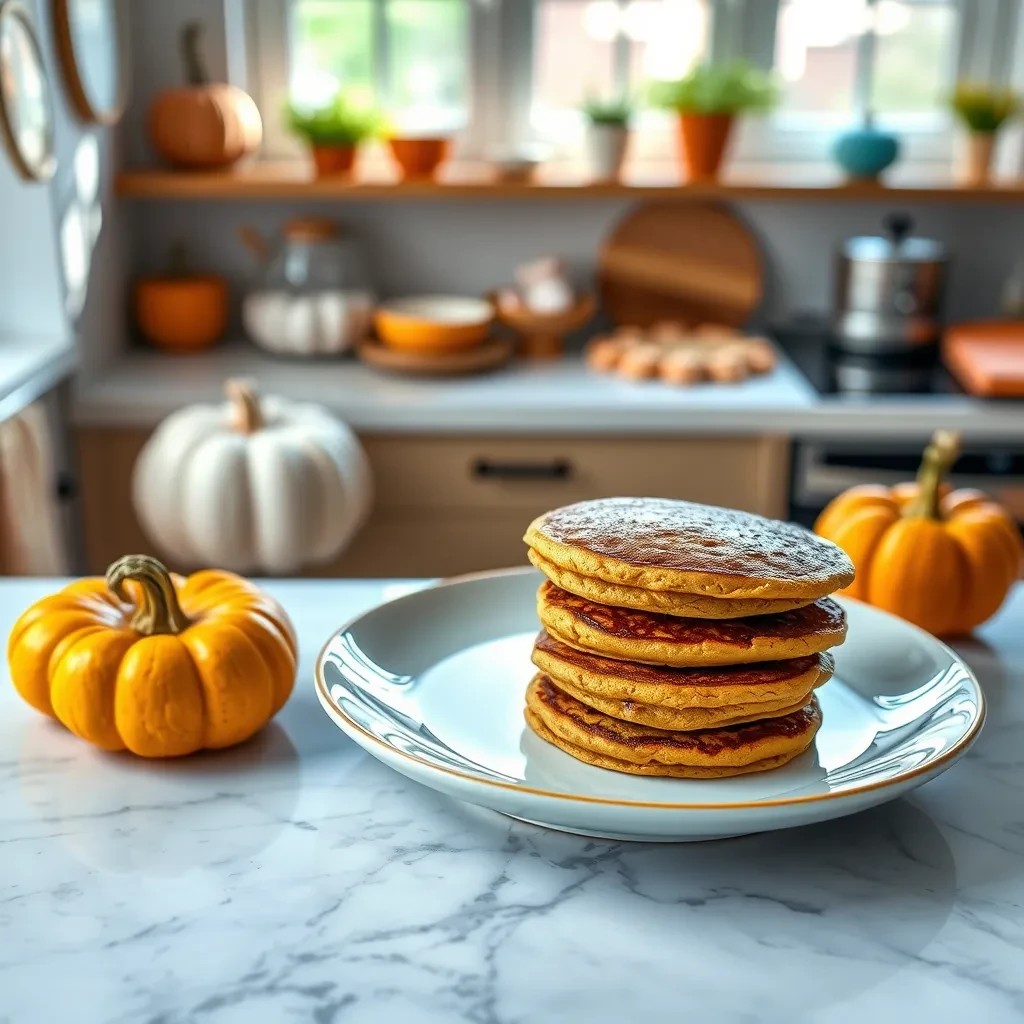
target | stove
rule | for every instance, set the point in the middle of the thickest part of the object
(832, 371)
(825, 466)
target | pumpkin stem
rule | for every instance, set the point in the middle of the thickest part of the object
(195, 71)
(246, 415)
(158, 609)
(938, 459)
(177, 259)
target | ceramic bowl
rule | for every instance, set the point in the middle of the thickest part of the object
(865, 152)
(433, 323)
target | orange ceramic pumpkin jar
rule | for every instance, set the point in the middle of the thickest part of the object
(153, 663)
(943, 559)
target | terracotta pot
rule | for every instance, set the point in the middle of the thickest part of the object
(702, 142)
(333, 160)
(419, 158)
(978, 150)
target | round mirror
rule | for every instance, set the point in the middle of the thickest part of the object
(91, 40)
(26, 114)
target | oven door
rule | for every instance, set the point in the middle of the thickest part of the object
(823, 470)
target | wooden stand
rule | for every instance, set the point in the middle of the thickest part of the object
(542, 335)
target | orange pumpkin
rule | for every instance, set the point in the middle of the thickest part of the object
(203, 125)
(182, 314)
(942, 559)
(154, 663)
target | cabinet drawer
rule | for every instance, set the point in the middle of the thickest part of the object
(542, 473)
(397, 544)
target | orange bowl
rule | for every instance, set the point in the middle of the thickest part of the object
(433, 323)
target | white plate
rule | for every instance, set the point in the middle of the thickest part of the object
(432, 684)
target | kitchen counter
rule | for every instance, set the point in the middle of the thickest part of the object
(295, 878)
(557, 398)
(29, 367)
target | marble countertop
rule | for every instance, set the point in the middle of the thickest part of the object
(295, 878)
(551, 399)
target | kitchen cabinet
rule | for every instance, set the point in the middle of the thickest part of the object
(452, 504)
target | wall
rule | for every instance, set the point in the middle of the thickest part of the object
(60, 267)
(29, 263)
(473, 246)
(89, 225)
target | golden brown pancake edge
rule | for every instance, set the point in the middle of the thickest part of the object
(656, 639)
(731, 747)
(660, 544)
(658, 693)
(666, 602)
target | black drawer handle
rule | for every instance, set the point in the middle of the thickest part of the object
(556, 469)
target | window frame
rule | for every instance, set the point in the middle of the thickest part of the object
(501, 44)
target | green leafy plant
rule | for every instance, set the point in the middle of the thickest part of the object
(733, 88)
(983, 108)
(612, 112)
(342, 122)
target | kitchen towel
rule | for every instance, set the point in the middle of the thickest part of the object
(31, 535)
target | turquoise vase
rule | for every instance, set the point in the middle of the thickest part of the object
(865, 152)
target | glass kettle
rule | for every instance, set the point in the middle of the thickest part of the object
(312, 295)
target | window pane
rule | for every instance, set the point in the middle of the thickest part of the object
(668, 38)
(816, 54)
(574, 52)
(915, 56)
(332, 48)
(603, 48)
(429, 46)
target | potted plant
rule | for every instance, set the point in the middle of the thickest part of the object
(607, 136)
(983, 109)
(334, 132)
(707, 100)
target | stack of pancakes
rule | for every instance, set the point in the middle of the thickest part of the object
(681, 639)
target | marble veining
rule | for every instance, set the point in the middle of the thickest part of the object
(296, 879)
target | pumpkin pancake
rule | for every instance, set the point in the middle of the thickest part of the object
(656, 639)
(657, 544)
(667, 602)
(601, 740)
(681, 698)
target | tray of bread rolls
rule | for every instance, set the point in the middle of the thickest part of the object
(681, 354)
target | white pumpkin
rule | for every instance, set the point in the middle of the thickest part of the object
(315, 324)
(256, 484)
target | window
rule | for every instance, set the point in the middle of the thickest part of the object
(888, 57)
(409, 57)
(609, 49)
(509, 71)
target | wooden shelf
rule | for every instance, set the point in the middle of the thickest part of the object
(293, 181)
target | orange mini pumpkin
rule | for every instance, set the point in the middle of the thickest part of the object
(182, 313)
(942, 559)
(157, 664)
(203, 125)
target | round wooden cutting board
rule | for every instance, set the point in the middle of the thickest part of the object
(690, 261)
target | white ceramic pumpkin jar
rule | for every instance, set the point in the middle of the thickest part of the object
(258, 484)
(312, 297)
